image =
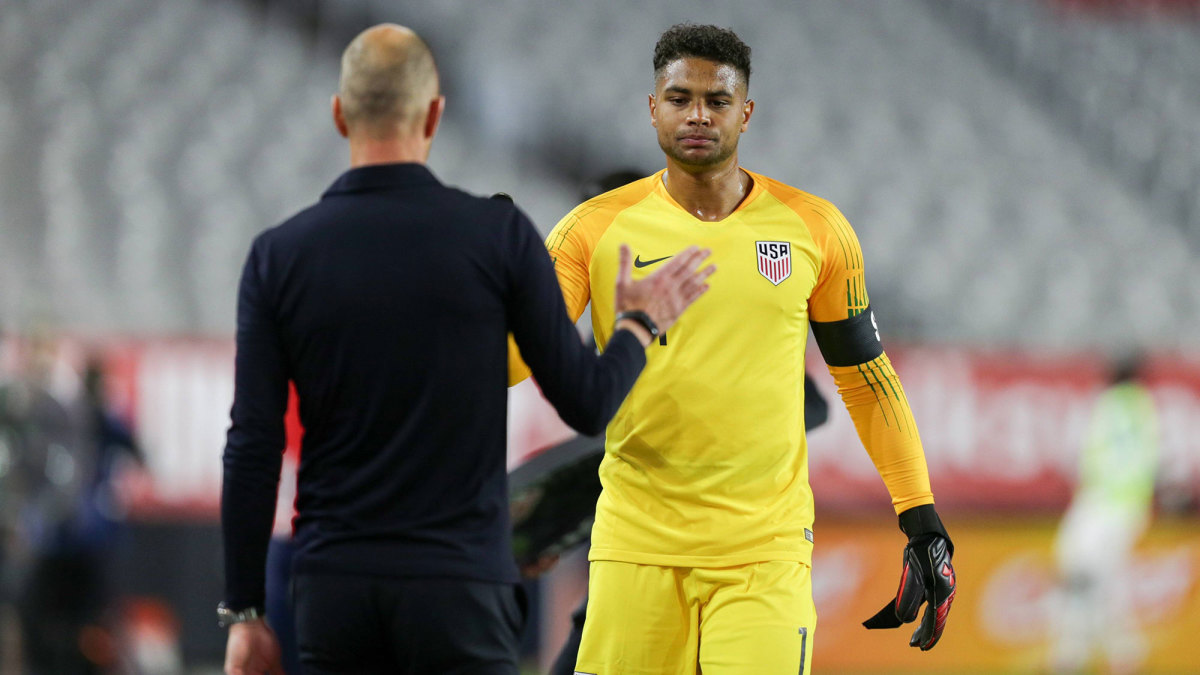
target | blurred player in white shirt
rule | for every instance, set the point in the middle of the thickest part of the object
(1111, 509)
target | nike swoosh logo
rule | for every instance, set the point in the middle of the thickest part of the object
(639, 263)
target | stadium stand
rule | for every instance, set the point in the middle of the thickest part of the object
(1024, 176)
(1001, 159)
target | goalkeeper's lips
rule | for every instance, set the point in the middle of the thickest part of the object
(695, 142)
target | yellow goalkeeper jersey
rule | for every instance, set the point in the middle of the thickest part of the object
(706, 463)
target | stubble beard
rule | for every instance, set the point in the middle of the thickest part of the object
(713, 158)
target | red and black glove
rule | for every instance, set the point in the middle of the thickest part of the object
(928, 577)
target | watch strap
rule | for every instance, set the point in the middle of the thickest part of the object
(640, 317)
(227, 617)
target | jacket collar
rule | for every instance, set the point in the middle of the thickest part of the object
(382, 177)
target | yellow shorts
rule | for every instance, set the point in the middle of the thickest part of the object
(755, 619)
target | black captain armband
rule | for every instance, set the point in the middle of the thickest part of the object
(848, 342)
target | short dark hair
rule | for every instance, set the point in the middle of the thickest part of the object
(705, 42)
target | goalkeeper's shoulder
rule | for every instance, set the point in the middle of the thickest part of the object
(593, 216)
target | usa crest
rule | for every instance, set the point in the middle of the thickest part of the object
(774, 260)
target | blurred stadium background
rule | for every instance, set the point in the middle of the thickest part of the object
(1024, 176)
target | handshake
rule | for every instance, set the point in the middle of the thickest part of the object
(650, 306)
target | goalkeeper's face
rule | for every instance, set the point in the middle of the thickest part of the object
(699, 109)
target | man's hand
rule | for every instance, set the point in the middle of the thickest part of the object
(928, 576)
(252, 649)
(666, 293)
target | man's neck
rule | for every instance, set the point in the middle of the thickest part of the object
(710, 195)
(366, 150)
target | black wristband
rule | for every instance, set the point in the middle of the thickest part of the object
(640, 317)
(921, 520)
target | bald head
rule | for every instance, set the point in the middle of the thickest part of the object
(388, 80)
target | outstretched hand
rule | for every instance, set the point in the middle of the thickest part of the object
(666, 293)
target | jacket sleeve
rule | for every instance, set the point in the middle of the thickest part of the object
(255, 441)
(584, 388)
(569, 255)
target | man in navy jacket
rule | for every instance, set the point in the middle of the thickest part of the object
(388, 303)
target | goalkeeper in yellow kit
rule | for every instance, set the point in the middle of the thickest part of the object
(702, 544)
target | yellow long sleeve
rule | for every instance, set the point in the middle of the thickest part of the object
(876, 402)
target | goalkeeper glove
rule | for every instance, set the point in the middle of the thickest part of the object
(928, 576)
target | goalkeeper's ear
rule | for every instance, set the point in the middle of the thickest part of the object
(921, 520)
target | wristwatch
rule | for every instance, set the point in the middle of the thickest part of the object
(640, 317)
(227, 617)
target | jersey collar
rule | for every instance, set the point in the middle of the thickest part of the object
(757, 187)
